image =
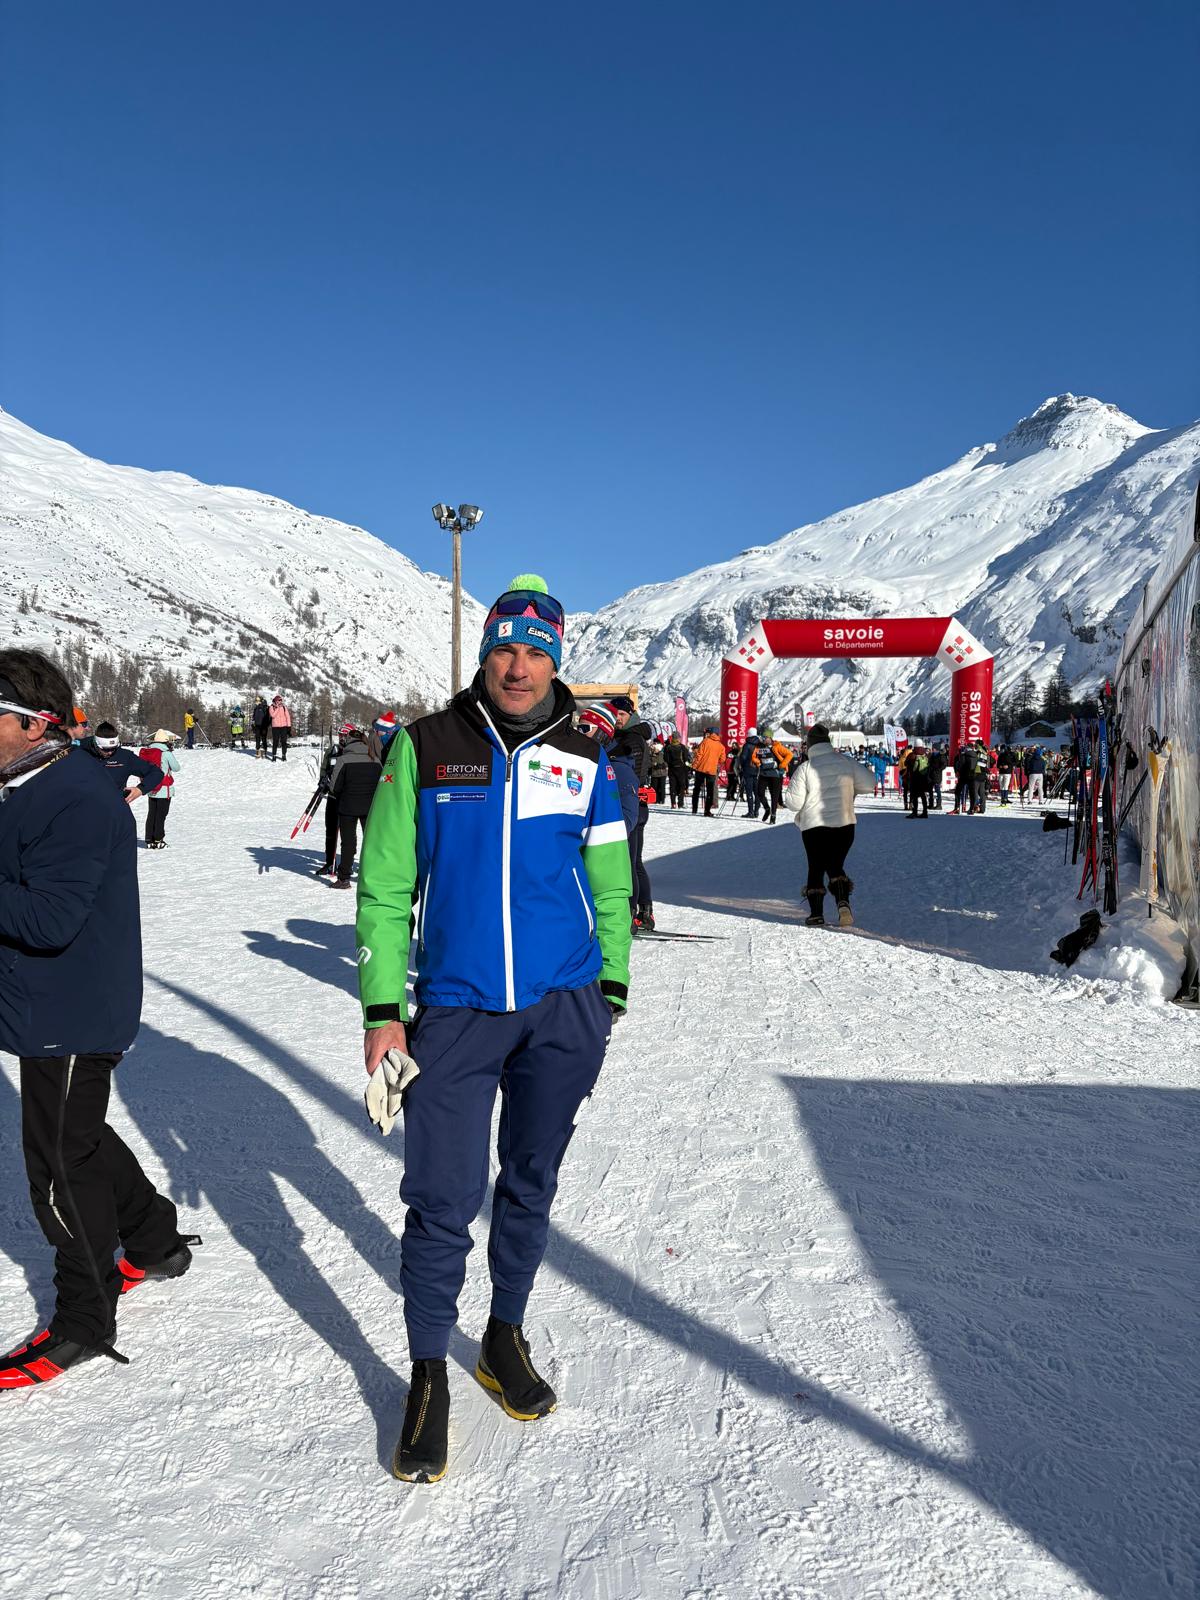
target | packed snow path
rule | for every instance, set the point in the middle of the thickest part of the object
(872, 1270)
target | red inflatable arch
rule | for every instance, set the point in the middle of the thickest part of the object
(944, 637)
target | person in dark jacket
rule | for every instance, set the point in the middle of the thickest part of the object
(70, 1005)
(679, 761)
(324, 781)
(964, 772)
(731, 771)
(260, 720)
(633, 741)
(979, 778)
(352, 784)
(937, 766)
(748, 771)
(658, 772)
(132, 776)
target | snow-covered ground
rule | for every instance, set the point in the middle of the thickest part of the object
(871, 1273)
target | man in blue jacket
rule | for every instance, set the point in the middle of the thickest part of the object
(132, 776)
(70, 1004)
(503, 824)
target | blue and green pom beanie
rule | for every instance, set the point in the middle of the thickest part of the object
(528, 628)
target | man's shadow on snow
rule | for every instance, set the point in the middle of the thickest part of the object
(226, 1134)
(20, 1237)
(1011, 1225)
(300, 858)
(900, 897)
(1039, 1241)
(320, 950)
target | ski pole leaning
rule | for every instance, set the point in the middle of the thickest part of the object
(307, 814)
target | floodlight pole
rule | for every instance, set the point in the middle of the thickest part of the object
(456, 619)
(454, 524)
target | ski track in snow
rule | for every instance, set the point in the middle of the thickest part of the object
(871, 1272)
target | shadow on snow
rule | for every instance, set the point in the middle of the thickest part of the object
(1039, 1240)
(965, 898)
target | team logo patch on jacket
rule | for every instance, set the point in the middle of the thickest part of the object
(574, 780)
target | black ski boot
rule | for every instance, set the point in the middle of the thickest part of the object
(1069, 947)
(172, 1265)
(816, 908)
(424, 1447)
(47, 1356)
(842, 888)
(504, 1367)
(645, 918)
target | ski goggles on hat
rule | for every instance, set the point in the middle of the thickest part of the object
(10, 701)
(520, 602)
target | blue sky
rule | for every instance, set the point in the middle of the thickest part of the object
(650, 283)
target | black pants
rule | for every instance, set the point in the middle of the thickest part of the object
(731, 785)
(750, 790)
(279, 738)
(918, 794)
(642, 894)
(156, 818)
(827, 849)
(935, 794)
(770, 793)
(677, 779)
(979, 794)
(704, 783)
(331, 833)
(260, 738)
(348, 830)
(89, 1193)
(962, 795)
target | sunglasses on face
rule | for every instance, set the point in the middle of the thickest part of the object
(519, 602)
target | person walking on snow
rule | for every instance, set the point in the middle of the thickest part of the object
(237, 728)
(731, 771)
(822, 795)
(69, 1007)
(709, 755)
(189, 728)
(260, 719)
(1035, 771)
(504, 823)
(281, 724)
(160, 752)
(771, 760)
(352, 784)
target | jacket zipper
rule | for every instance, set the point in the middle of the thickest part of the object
(510, 999)
(424, 908)
(587, 910)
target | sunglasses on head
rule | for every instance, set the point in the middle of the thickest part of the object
(519, 601)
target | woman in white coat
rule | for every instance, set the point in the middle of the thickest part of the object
(822, 794)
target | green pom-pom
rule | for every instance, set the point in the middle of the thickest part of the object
(529, 580)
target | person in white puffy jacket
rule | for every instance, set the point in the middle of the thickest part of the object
(822, 793)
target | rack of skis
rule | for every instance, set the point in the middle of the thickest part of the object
(1104, 761)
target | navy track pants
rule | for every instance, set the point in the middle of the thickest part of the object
(545, 1061)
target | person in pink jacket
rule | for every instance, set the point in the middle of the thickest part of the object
(281, 723)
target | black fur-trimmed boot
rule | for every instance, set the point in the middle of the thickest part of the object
(842, 888)
(816, 908)
(504, 1367)
(423, 1451)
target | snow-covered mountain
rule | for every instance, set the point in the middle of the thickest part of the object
(1040, 543)
(231, 589)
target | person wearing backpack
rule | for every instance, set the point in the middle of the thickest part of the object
(160, 752)
(918, 783)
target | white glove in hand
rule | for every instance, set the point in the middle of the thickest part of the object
(385, 1091)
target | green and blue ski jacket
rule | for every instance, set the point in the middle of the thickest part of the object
(518, 865)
